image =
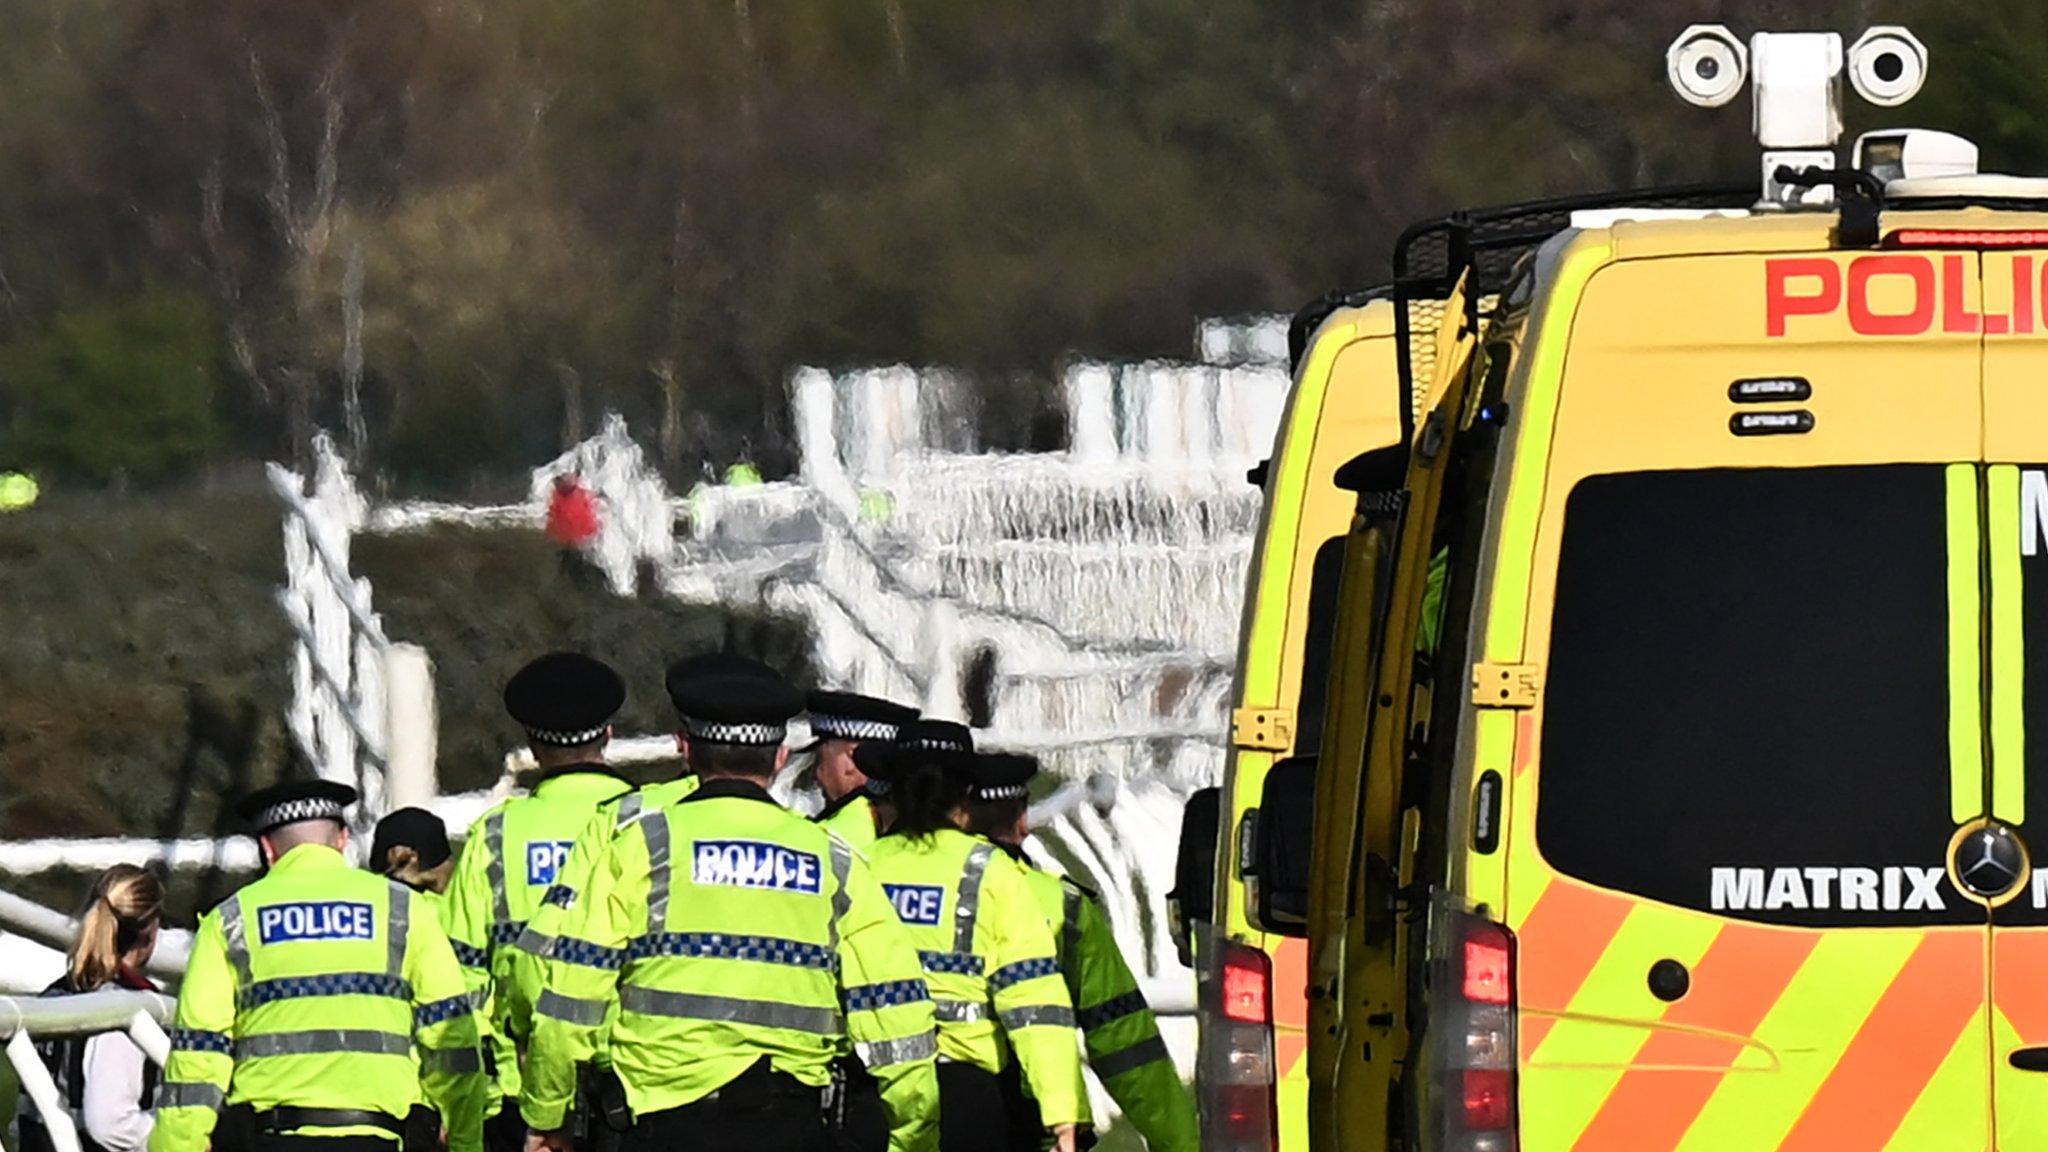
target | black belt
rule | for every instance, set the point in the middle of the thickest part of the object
(286, 1118)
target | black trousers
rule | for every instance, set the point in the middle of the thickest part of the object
(860, 1123)
(279, 1142)
(981, 1112)
(762, 1111)
(506, 1132)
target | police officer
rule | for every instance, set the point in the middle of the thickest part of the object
(565, 702)
(988, 955)
(880, 762)
(738, 946)
(615, 817)
(1119, 1032)
(842, 722)
(308, 993)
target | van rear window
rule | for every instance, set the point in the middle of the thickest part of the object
(1746, 700)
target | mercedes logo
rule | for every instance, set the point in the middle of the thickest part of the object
(1989, 861)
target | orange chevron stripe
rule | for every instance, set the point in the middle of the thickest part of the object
(2019, 957)
(1895, 1053)
(1742, 975)
(1290, 1002)
(1559, 941)
(1525, 742)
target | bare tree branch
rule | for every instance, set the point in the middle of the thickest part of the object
(221, 265)
(277, 195)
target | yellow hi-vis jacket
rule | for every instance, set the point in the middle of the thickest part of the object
(852, 820)
(519, 990)
(1117, 1026)
(310, 988)
(989, 956)
(727, 929)
(509, 861)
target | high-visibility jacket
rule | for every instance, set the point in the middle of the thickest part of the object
(852, 819)
(310, 988)
(727, 929)
(520, 988)
(509, 861)
(1118, 1030)
(989, 956)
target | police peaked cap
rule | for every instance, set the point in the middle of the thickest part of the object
(717, 664)
(732, 700)
(294, 802)
(564, 699)
(937, 735)
(852, 716)
(999, 775)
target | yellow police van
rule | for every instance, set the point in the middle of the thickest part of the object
(1657, 775)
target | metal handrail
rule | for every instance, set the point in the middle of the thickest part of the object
(141, 1015)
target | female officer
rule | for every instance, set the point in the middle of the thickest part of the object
(988, 956)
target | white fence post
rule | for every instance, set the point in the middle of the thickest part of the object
(414, 727)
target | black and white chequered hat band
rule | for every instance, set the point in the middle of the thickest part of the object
(563, 739)
(1000, 791)
(851, 728)
(748, 735)
(297, 811)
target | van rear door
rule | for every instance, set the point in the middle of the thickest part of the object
(2016, 485)
(1740, 552)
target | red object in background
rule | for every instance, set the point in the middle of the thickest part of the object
(572, 513)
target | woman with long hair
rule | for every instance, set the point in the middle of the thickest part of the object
(106, 1081)
(988, 955)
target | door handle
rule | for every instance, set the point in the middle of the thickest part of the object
(2030, 1059)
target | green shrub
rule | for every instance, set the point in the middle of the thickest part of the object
(113, 388)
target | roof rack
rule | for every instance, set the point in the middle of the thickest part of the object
(1432, 256)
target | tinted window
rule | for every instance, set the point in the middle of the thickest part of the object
(1316, 644)
(1746, 702)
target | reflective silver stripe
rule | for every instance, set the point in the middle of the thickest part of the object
(1036, 1014)
(1137, 1055)
(842, 867)
(1070, 928)
(237, 937)
(727, 1009)
(536, 943)
(969, 903)
(457, 1061)
(882, 1053)
(655, 829)
(322, 1040)
(589, 1013)
(959, 1011)
(629, 810)
(190, 1096)
(494, 839)
(401, 925)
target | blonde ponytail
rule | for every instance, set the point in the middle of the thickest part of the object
(127, 903)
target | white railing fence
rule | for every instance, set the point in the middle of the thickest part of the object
(25, 1019)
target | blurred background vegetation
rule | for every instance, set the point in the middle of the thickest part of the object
(456, 231)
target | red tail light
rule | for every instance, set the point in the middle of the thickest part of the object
(1234, 1069)
(1472, 1037)
(1489, 1099)
(1247, 982)
(1488, 969)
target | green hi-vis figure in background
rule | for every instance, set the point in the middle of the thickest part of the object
(18, 491)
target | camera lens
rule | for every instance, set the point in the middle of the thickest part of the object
(1707, 68)
(1888, 67)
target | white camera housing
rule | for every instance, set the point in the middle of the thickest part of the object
(1887, 65)
(1706, 65)
(1797, 89)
